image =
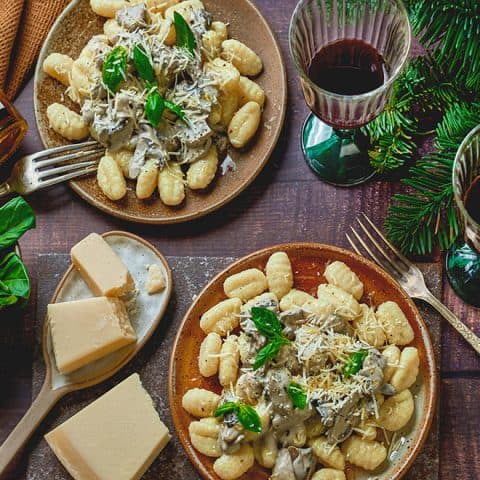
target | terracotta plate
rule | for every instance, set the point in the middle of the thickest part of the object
(71, 32)
(307, 260)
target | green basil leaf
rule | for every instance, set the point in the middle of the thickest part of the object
(154, 108)
(14, 280)
(175, 109)
(354, 363)
(298, 395)
(227, 407)
(269, 352)
(266, 321)
(143, 65)
(249, 418)
(114, 70)
(16, 217)
(185, 37)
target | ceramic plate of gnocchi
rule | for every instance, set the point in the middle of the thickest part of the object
(302, 362)
(188, 97)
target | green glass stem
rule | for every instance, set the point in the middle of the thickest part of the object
(463, 270)
(337, 156)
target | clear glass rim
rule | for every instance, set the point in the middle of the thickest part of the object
(458, 158)
(361, 96)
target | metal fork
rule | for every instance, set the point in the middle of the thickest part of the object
(49, 167)
(406, 274)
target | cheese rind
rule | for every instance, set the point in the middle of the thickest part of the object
(116, 437)
(85, 330)
(101, 268)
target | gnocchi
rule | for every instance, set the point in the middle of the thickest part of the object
(392, 356)
(209, 359)
(396, 411)
(295, 298)
(244, 124)
(204, 436)
(329, 474)
(222, 318)
(229, 358)
(201, 173)
(249, 91)
(200, 403)
(59, 66)
(341, 275)
(147, 180)
(367, 454)
(107, 8)
(171, 185)
(245, 285)
(234, 465)
(336, 300)
(331, 457)
(110, 178)
(279, 274)
(394, 323)
(406, 373)
(66, 122)
(368, 327)
(244, 58)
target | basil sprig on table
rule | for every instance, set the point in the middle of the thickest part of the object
(16, 217)
(298, 395)
(247, 415)
(354, 363)
(184, 35)
(114, 70)
(14, 281)
(268, 325)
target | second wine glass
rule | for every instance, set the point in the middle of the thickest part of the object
(348, 53)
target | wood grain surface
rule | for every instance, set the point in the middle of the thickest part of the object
(285, 203)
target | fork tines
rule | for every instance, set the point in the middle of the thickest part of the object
(381, 251)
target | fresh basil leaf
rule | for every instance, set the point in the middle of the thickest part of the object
(154, 108)
(175, 109)
(14, 280)
(249, 418)
(114, 70)
(143, 65)
(266, 321)
(298, 395)
(16, 217)
(227, 407)
(269, 352)
(354, 363)
(185, 37)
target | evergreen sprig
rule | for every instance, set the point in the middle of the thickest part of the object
(441, 86)
(426, 215)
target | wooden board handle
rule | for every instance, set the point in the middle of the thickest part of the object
(14, 443)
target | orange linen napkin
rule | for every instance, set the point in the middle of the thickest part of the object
(24, 24)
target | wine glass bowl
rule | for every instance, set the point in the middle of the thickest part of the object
(463, 258)
(382, 25)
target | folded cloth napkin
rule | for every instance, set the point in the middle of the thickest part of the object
(24, 24)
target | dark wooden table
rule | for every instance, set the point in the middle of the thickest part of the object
(286, 203)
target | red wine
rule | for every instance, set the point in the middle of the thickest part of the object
(348, 67)
(472, 200)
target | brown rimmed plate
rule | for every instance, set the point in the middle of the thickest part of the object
(307, 260)
(71, 32)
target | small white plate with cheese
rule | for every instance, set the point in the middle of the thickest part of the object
(144, 310)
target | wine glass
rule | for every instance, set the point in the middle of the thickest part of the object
(463, 258)
(332, 143)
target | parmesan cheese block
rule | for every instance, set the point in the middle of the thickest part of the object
(116, 437)
(101, 268)
(86, 330)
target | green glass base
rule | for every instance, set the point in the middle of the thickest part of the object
(339, 157)
(463, 270)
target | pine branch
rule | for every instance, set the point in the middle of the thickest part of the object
(418, 220)
(452, 29)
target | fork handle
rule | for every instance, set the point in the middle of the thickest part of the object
(454, 321)
(5, 189)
